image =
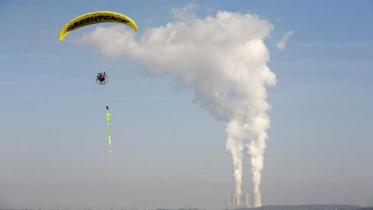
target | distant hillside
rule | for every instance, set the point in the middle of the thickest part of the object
(309, 207)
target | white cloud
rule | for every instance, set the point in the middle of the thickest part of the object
(185, 13)
(223, 58)
(281, 44)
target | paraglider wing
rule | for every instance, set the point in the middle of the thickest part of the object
(93, 18)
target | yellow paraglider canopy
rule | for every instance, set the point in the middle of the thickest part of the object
(93, 18)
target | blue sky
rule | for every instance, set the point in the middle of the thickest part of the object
(167, 150)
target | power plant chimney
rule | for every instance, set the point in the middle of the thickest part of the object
(240, 201)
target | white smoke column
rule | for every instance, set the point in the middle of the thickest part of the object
(224, 60)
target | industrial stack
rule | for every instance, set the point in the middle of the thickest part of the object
(240, 201)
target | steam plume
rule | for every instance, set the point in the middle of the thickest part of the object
(223, 58)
